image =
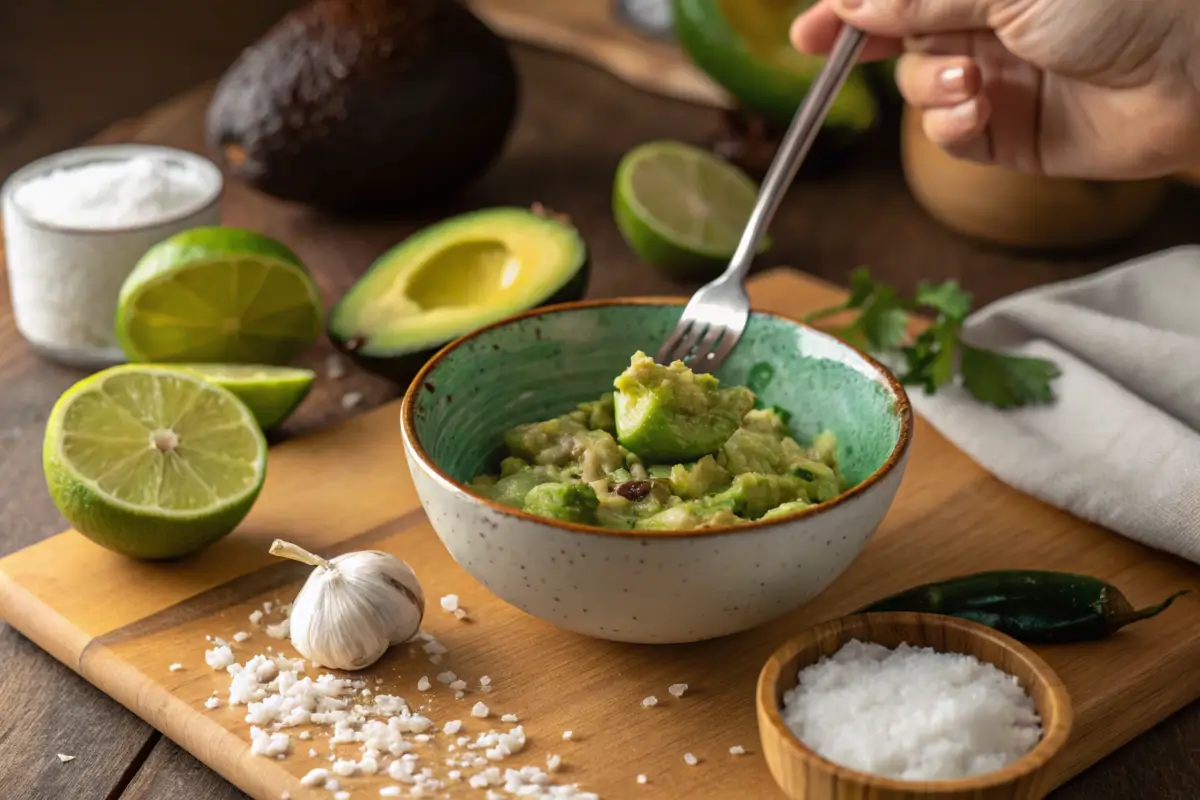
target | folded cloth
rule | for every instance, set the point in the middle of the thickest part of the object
(1121, 444)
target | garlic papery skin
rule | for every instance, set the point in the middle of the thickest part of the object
(353, 607)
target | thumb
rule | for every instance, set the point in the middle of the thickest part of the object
(902, 18)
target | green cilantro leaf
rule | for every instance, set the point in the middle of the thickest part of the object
(947, 298)
(936, 355)
(930, 359)
(1006, 381)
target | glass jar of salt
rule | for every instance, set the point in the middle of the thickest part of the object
(76, 223)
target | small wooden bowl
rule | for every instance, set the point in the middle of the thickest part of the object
(804, 775)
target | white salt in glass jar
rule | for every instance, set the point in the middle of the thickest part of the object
(76, 223)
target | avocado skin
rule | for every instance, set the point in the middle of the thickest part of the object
(366, 106)
(403, 367)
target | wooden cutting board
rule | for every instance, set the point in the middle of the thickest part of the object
(590, 31)
(121, 624)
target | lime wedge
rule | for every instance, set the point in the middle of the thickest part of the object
(271, 393)
(218, 295)
(152, 462)
(681, 208)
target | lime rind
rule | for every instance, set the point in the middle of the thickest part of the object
(271, 392)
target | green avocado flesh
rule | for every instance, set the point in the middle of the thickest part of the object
(667, 450)
(452, 278)
(743, 45)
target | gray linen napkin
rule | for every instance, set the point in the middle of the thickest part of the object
(1121, 446)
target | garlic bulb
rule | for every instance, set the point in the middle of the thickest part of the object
(353, 607)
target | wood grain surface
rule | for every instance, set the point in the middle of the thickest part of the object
(70, 67)
(586, 29)
(121, 623)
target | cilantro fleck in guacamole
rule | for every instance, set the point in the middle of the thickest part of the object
(667, 450)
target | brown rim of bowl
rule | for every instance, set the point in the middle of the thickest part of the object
(408, 415)
(1047, 747)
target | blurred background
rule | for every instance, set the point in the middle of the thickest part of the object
(68, 68)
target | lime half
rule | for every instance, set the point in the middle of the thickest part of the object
(271, 393)
(218, 295)
(152, 462)
(681, 208)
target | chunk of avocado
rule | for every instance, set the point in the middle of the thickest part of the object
(743, 46)
(669, 414)
(570, 502)
(451, 278)
(366, 105)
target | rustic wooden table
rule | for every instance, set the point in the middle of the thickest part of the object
(575, 124)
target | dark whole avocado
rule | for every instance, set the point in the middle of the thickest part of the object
(366, 105)
(454, 277)
(743, 46)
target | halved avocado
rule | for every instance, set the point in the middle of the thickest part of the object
(743, 45)
(453, 277)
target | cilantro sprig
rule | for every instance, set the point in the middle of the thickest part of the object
(937, 355)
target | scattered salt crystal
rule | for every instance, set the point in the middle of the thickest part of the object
(568, 735)
(316, 777)
(450, 602)
(479, 710)
(280, 630)
(677, 689)
(332, 784)
(256, 617)
(64, 758)
(341, 796)
(351, 399)
(263, 743)
(422, 737)
(335, 368)
(447, 677)
(219, 657)
(241, 636)
(553, 762)
(650, 702)
(460, 613)
(423, 685)
(458, 685)
(485, 680)
(175, 667)
(435, 659)
(306, 735)
(346, 767)
(389, 791)
(212, 703)
(268, 606)
(435, 648)
(510, 718)
(642, 779)
(947, 715)
(452, 727)
(737, 750)
(312, 752)
(690, 759)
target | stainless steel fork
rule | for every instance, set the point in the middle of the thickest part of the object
(715, 318)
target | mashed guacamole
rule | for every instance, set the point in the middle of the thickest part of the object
(667, 449)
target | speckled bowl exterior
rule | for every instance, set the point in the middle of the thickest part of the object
(637, 586)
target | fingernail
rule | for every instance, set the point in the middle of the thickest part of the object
(851, 5)
(965, 111)
(954, 79)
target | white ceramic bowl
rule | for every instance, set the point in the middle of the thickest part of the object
(637, 586)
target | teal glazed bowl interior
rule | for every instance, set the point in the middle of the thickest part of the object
(634, 585)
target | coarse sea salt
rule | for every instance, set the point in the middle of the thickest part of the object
(946, 715)
(278, 695)
(65, 284)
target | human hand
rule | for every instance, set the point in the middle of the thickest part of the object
(1102, 89)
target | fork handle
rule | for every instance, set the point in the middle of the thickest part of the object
(795, 146)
